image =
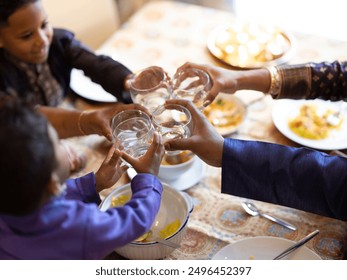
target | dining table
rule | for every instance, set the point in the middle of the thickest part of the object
(168, 34)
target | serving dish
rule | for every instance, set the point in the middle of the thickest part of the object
(226, 113)
(250, 45)
(175, 205)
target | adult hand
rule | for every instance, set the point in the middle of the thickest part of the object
(204, 141)
(222, 79)
(110, 170)
(99, 121)
(150, 161)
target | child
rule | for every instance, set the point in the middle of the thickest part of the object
(38, 59)
(41, 217)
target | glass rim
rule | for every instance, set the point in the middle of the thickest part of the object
(159, 110)
(204, 73)
(163, 79)
(134, 111)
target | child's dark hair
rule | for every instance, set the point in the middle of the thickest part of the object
(27, 157)
(8, 7)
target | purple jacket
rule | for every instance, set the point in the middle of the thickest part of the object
(71, 226)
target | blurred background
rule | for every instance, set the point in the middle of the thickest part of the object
(94, 21)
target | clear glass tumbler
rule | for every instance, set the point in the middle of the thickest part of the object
(150, 87)
(192, 84)
(172, 121)
(133, 132)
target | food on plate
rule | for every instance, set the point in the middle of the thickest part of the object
(224, 114)
(251, 44)
(312, 124)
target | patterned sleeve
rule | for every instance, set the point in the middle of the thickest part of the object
(314, 80)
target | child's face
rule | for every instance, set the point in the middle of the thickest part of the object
(28, 34)
(63, 167)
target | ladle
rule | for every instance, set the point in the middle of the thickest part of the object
(252, 210)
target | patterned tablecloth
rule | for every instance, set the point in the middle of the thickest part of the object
(168, 34)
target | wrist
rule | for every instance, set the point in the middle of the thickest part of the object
(80, 123)
(257, 79)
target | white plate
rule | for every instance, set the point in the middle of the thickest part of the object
(263, 248)
(84, 87)
(285, 109)
(184, 182)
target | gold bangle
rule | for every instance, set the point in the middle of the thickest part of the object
(276, 82)
(79, 123)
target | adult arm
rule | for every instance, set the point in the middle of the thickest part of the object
(326, 80)
(70, 123)
(295, 177)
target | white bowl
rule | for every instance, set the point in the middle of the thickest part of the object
(174, 205)
(171, 172)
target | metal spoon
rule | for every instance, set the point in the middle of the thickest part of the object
(297, 245)
(252, 210)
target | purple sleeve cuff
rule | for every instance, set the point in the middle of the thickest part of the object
(83, 188)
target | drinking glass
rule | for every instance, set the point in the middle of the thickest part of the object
(192, 84)
(150, 87)
(133, 132)
(172, 121)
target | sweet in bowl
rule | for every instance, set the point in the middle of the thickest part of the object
(174, 166)
(174, 211)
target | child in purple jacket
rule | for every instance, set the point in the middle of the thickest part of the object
(42, 216)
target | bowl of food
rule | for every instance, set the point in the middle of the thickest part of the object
(174, 166)
(226, 113)
(169, 224)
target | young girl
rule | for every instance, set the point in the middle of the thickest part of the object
(36, 60)
(41, 217)
(35, 64)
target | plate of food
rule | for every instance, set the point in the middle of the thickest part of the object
(306, 122)
(250, 45)
(86, 88)
(226, 113)
(263, 248)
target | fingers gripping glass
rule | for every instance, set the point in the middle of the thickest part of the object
(192, 84)
(150, 87)
(132, 132)
(172, 121)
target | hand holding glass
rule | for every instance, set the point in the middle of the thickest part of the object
(192, 84)
(150, 87)
(133, 132)
(172, 121)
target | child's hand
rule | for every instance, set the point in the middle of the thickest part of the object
(149, 162)
(110, 170)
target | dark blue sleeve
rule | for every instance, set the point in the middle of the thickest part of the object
(83, 188)
(300, 178)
